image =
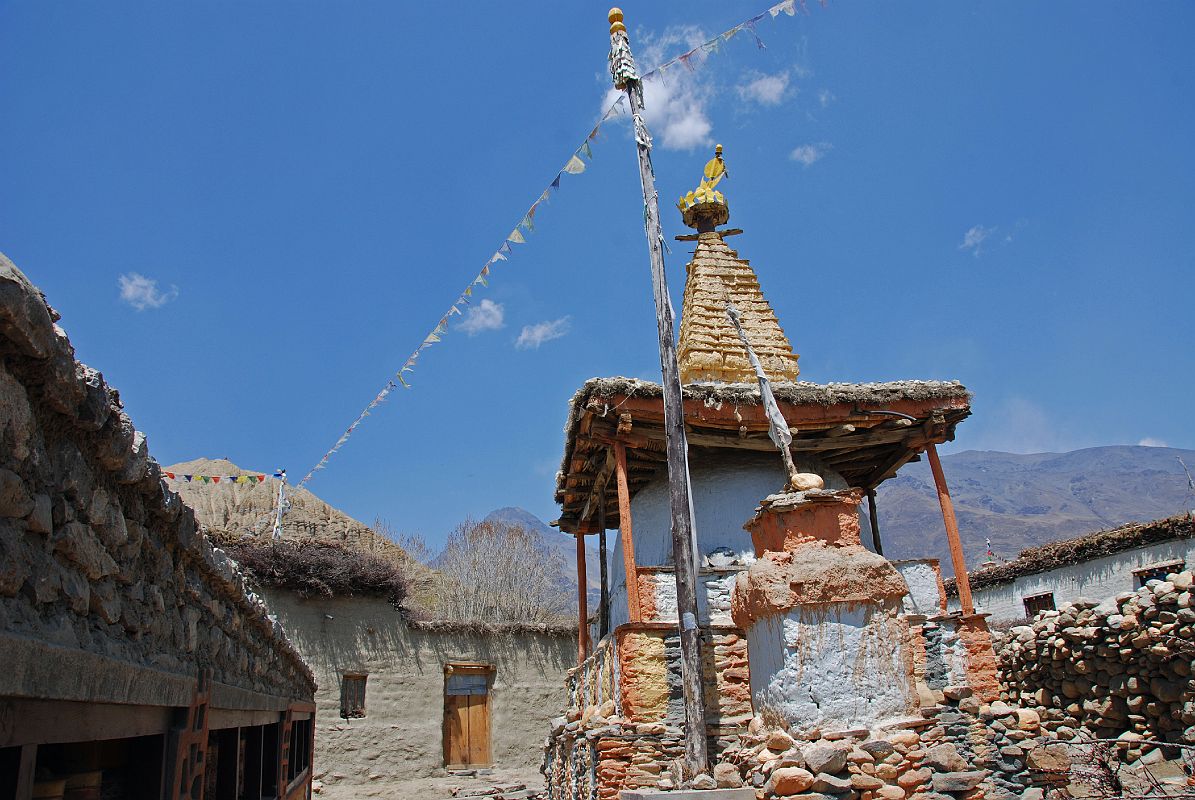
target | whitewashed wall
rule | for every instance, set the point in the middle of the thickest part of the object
(1096, 579)
(727, 487)
(921, 576)
(834, 666)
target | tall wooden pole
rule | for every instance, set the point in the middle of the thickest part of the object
(604, 602)
(582, 601)
(952, 538)
(622, 69)
(627, 533)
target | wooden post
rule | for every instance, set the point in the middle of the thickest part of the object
(622, 68)
(627, 533)
(582, 601)
(604, 602)
(875, 521)
(26, 772)
(956, 546)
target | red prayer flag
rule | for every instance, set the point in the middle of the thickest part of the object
(215, 479)
(261, 478)
(170, 475)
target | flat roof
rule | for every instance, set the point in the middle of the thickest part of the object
(865, 431)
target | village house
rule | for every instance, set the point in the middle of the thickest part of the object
(135, 661)
(1095, 566)
(400, 699)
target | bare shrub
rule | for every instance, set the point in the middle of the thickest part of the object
(496, 572)
(321, 568)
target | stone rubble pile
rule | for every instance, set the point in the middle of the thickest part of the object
(1119, 669)
(963, 750)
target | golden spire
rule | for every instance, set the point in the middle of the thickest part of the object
(615, 18)
(705, 207)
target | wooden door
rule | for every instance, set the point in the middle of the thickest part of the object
(467, 718)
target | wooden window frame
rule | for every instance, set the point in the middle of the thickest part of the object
(349, 709)
(1033, 603)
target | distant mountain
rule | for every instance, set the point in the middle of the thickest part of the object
(561, 543)
(1024, 500)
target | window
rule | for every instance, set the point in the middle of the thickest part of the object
(1157, 572)
(1037, 603)
(352, 694)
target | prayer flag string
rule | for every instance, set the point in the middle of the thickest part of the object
(574, 165)
(216, 479)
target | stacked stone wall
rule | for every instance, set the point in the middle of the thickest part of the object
(96, 554)
(1121, 668)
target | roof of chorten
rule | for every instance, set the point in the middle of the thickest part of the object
(837, 422)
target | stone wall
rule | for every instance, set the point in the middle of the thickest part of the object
(100, 564)
(401, 736)
(1121, 668)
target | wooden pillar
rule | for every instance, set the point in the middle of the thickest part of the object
(604, 602)
(582, 601)
(874, 518)
(634, 610)
(26, 768)
(952, 537)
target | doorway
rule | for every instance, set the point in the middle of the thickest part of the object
(467, 715)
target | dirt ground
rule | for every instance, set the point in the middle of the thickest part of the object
(431, 788)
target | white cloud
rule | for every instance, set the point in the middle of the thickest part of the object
(141, 292)
(532, 336)
(1150, 441)
(485, 316)
(974, 238)
(825, 97)
(676, 102)
(767, 90)
(807, 154)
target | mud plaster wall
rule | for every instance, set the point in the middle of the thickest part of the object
(1095, 579)
(924, 582)
(650, 677)
(401, 736)
(727, 488)
(835, 667)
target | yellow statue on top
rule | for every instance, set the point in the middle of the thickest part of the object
(715, 171)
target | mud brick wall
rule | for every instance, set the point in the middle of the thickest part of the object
(1121, 668)
(96, 554)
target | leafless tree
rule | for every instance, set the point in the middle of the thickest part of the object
(496, 572)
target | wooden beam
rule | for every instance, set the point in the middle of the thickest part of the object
(874, 518)
(634, 610)
(962, 581)
(582, 603)
(887, 467)
(604, 601)
(26, 772)
(35, 721)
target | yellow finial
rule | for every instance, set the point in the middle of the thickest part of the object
(615, 18)
(706, 195)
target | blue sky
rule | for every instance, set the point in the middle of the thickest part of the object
(998, 193)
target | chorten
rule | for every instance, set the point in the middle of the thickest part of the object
(709, 348)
